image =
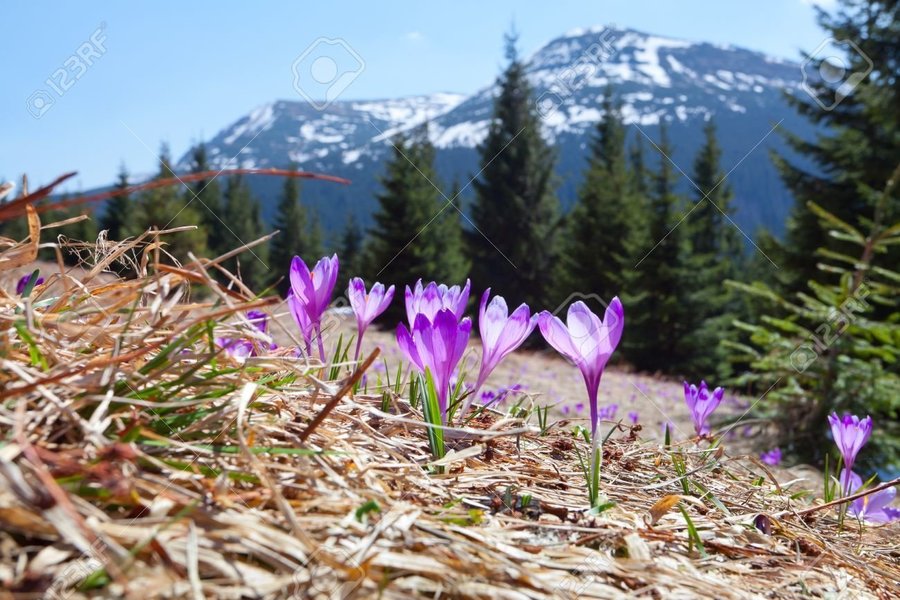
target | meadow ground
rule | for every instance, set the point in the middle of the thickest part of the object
(133, 465)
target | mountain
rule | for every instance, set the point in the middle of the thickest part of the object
(656, 78)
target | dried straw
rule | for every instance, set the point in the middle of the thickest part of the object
(140, 462)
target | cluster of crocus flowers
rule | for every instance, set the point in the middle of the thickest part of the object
(310, 296)
(586, 341)
(428, 299)
(439, 333)
(436, 345)
(701, 402)
(367, 305)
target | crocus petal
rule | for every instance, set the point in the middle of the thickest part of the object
(460, 300)
(613, 326)
(855, 481)
(516, 330)
(298, 312)
(408, 347)
(492, 319)
(557, 335)
(385, 300)
(259, 319)
(877, 501)
(409, 299)
(359, 300)
(301, 282)
(584, 329)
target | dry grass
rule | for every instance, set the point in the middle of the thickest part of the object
(137, 461)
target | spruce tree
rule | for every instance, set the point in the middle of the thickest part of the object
(294, 238)
(119, 210)
(241, 215)
(402, 246)
(166, 208)
(656, 292)
(350, 249)
(594, 256)
(316, 249)
(714, 255)
(638, 169)
(205, 196)
(514, 243)
(860, 147)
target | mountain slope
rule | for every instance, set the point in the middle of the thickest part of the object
(656, 78)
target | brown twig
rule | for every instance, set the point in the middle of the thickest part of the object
(851, 497)
(348, 385)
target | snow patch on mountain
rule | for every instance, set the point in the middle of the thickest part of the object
(260, 119)
(649, 59)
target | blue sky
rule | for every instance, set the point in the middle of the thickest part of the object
(180, 71)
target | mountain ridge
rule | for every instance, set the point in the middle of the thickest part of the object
(657, 78)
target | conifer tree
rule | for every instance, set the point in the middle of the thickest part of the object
(513, 247)
(594, 256)
(316, 238)
(241, 215)
(206, 196)
(714, 255)
(165, 208)
(858, 150)
(655, 312)
(350, 248)
(638, 169)
(119, 210)
(402, 246)
(295, 237)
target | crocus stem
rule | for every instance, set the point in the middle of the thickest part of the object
(596, 458)
(358, 346)
(845, 486)
(321, 345)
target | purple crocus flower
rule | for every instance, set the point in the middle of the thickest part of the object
(772, 457)
(367, 305)
(587, 342)
(428, 300)
(873, 508)
(850, 434)
(437, 346)
(313, 289)
(702, 403)
(23, 282)
(501, 333)
(236, 348)
(239, 349)
(633, 416)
